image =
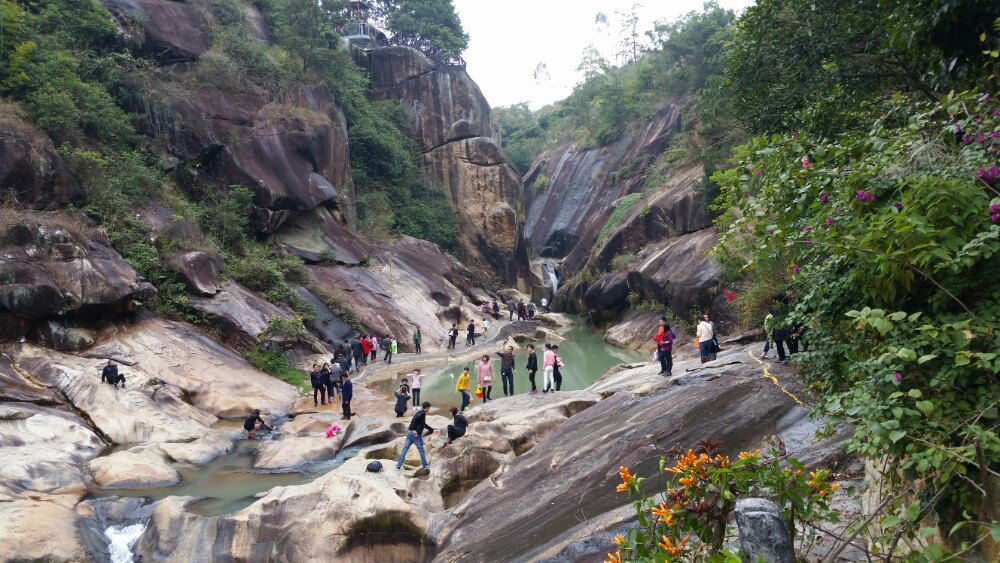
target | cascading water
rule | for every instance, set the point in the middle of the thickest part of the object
(550, 275)
(121, 540)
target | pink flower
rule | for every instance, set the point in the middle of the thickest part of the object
(795, 134)
(760, 174)
(824, 197)
(729, 294)
(897, 375)
(865, 196)
(958, 128)
(770, 231)
(805, 162)
(980, 138)
(795, 269)
(829, 221)
(746, 196)
(995, 212)
(806, 229)
(809, 240)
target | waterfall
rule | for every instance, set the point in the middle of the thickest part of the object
(551, 277)
(121, 540)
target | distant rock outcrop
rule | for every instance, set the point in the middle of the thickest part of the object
(451, 126)
(31, 171)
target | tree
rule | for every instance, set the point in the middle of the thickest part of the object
(430, 25)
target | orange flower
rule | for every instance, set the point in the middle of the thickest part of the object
(687, 481)
(745, 455)
(664, 514)
(615, 557)
(834, 487)
(626, 479)
(619, 540)
(671, 548)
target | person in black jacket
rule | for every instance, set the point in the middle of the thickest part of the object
(415, 435)
(507, 370)
(110, 374)
(319, 387)
(253, 422)
(470, 337)
(402, 396)
(457, 430)
(532, 368)
(346, 394)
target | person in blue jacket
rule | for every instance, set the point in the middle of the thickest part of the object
(346, 394)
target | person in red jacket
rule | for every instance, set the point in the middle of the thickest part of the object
(664, 347)
(366, 348)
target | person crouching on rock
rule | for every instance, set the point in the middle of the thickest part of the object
(319, 387)
(110, 374)
(346, 394)
(485, 374)
(415, 435)
(254, 422)
(457, 430)
(402, 398)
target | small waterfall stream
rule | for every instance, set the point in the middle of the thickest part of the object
(121, 540)
(552, 277)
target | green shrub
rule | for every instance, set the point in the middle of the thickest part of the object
(542, 183)
(621, 208)
(276, 364)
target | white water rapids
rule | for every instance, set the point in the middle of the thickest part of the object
(121, 540)
(552, 278)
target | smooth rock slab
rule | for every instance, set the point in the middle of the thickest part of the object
(138, 468)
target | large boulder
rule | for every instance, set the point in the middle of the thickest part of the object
(199, 270)
(239, 315)
(137, 468)
(31, 170)
(167, 30)
(40, 530)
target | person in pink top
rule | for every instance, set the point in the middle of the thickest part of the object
(415, 387)
(374, 348)
(548, 367)
(484, 372)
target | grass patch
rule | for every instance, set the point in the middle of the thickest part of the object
(278, 365)
(624, 204)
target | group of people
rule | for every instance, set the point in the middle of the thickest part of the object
(708, 339)
(415, 433)
(520, 308)
(782, 335)
(361, 350)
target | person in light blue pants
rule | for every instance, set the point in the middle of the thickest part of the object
(415, 435)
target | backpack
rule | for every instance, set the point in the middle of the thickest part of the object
(374, 467)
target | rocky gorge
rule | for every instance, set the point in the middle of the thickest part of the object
(533, 478)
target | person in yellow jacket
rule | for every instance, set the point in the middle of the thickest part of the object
(463, 387)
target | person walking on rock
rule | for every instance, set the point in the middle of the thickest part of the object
(485, 374)
(511, 307)
(705, 343)
(402, 397)
(318, 387)
(532, 368)
(415, 436)
(457, 429)
(346, 394)
(496, 310)
(110, 374)
(507, 370)
(545, 305)
(387, 343)
(768, 334)
(522, 312)
(664, 347)
(326, 376)
(253, 422)
(548, 368)
(462, 386)
(452, 336)
(417, 339)
(415, 378)
(335, 371)
(373, 347)
(470, 336)
(715, 340)
(366, 349)
(556, 368)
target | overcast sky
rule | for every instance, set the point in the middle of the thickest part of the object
(508, 38)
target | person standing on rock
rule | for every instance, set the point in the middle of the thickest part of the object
(253, 422)
(511, 307)
(335, 371)
(556, 368)
(415, 435)
(452, 336)
(548, 368)
(715, 340)
(415, 378)
(417, 339)
(768, 334)
(522, 311)
(373, 347)
(531, 310)
(346, 394)
(387, 346)
(545, 305)
(496, 310)
(705, 342)
(664, 339)
(402, 397)
(507, 370)
(345, 363)
(326, 374)
(485, 375)
(470, 336)
(110, 374)
(365, 350)
(456, 430)
(462, 386)
(318, 386)
(532, 368)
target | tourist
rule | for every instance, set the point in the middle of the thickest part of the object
(326, 376)
(335, 372)
(339, 350)
(462, 386)
(365, 350)
(456, 430)
(374, 348)
(346, 394)
(768, 334)
(548, 366)
(352, 349)
(545, 305)
(393, 348)
(452, 336)
(484, 373)
(318, 387)
(110, 374)
(345, 365)
(496, 310)
(402, 397)
(415, 377)
(532, 368)
(511, 307)
(417, 339)
(531, 310)
(415, 435)
(486, 325)
(556, 368)
(664, 347)
(470, 336)
(253, 422)
(705, 343)
(485, 309)
(715, 340)
(507, 370)
(387, 347)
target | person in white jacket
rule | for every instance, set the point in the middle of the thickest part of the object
(705, 335)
